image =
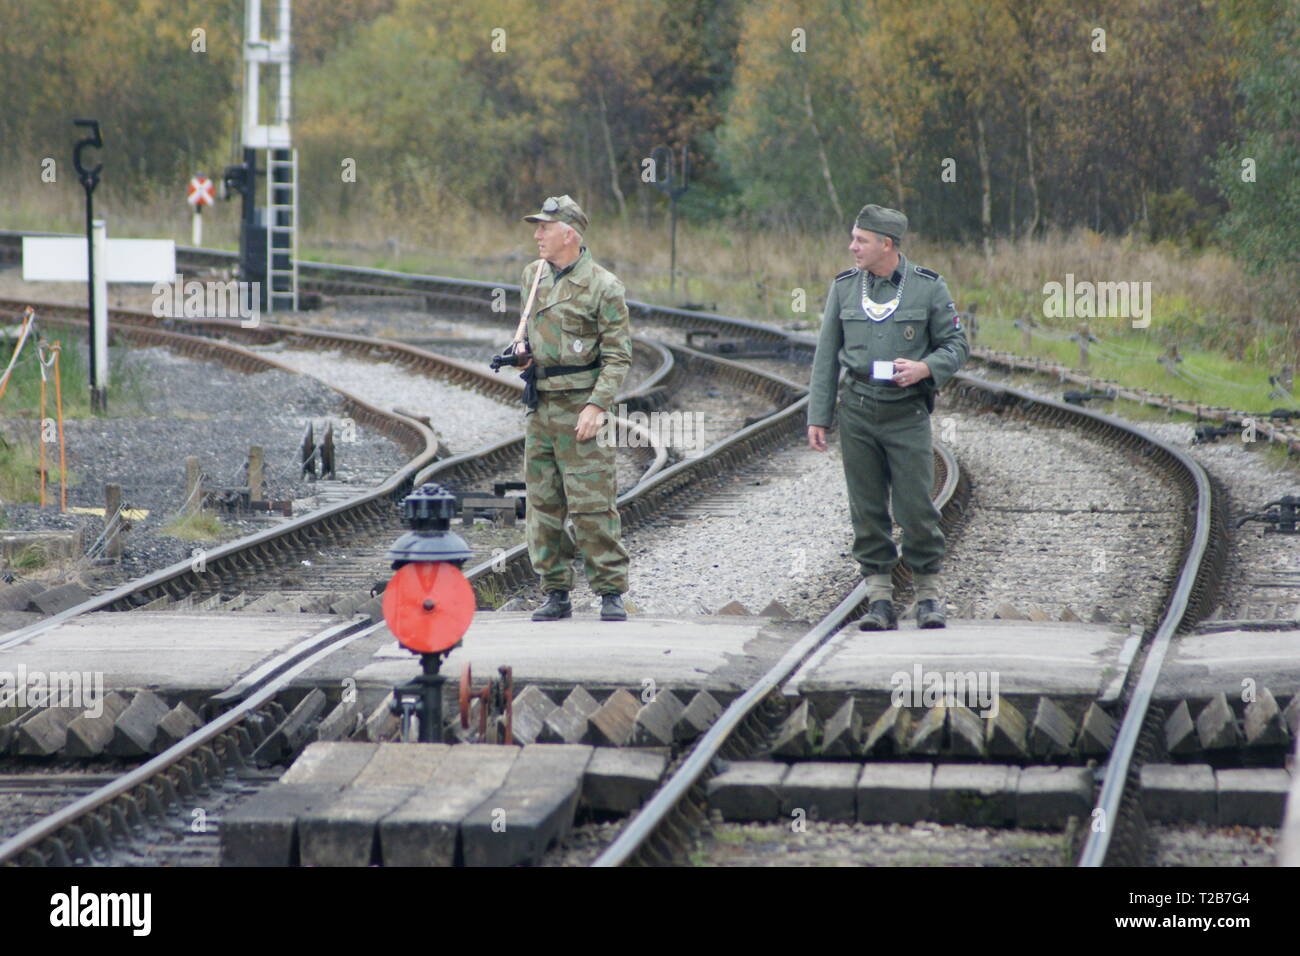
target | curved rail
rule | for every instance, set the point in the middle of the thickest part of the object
(1203, 552)
(209, 747)
(1200, 560)
(666, 801)
(1190, 598)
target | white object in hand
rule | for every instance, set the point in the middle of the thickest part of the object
(882, 370)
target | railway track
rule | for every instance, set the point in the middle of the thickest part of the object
(664, 828)
(250, 565)
(231, 567)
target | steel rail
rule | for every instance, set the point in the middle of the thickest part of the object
(671, 794)
(1191, 597)
(1201, 559)
(214, 557)
(1177, 617)
(1182, 607)
(1195, 572)
(143, 328)
(30, 837)
(747, 440)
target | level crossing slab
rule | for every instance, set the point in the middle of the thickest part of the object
(1202, 665)
(163, 650)
(1029, 658)
(721, 654)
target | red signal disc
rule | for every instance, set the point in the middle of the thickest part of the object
(429, 605)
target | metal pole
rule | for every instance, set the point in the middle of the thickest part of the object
(282, 107)
(90, 284)
(101, 313)
(89, 180)
(672, 274)
(431, 705)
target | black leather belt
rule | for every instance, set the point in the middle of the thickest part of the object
(531, 374)
(549, 371)
(868, 380)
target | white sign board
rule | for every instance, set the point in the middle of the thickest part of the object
(128, 260)
(48, 259)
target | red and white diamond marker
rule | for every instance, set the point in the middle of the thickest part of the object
(199, 192)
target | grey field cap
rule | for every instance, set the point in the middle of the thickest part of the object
(887, 222)
(561, 209)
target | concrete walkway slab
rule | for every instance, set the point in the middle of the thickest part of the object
(718, 653)
(1201, 665)
(162, 650)
(425, 829)
(1029, 658)
(532, 809)
(345, 831)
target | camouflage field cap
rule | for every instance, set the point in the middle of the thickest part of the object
(887, 222)
(561, 209)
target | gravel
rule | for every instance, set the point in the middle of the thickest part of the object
(856, 844)
(840, 844)
(201, 409)
(751, 541)
(1196, 845)
(467, 337)
(1261, 580)
(21, 806)
(1059, 521)
(1097, 532)
(463, 419)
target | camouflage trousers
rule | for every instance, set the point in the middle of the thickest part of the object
(577, 480)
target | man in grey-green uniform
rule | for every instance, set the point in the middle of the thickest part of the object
(894, 328)
(581, 343)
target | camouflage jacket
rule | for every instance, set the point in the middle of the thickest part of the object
(579, 319)
(924, 328)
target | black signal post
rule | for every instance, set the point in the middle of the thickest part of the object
(672, 186)
(89, 180)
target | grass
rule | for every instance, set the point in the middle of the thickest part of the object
(489, 592)
(739, 837)
(20, 466)
(20, 411)
(1230, 330)
(1134, 361)
(195, 526)
(1201, 302)
(23, 395)
(31, 558)
(129, 389)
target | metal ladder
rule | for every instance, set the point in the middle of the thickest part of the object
(282, 230)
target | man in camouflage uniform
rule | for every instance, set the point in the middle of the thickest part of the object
(894, 328)
(581, 345)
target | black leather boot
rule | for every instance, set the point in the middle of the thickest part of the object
(557, 606)
(611, 608)
(879, 617)
(930, 613)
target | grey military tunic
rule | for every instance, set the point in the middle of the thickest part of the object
(885, 428)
